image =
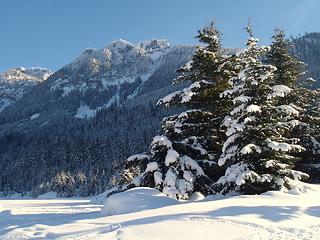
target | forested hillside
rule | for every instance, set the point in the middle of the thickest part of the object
(307, 47)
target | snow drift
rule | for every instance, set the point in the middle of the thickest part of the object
(135, 200)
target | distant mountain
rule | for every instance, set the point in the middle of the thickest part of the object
(17, 81)
(87, 117)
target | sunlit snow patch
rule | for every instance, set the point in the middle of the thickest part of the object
(84, 111)
(34, 116)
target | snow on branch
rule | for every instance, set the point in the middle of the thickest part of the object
(284, 147)
(279, 91)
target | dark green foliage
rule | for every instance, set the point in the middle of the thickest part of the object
(289, 68)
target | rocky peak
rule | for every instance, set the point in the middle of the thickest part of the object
(155, 45)
(21, 74)
(15, 82)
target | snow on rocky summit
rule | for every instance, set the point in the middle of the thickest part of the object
(15, 82)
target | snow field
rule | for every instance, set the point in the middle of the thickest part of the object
(144, 213)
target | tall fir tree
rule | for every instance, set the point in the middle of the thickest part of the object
(289, 72)
(183, 160)
(257, 153)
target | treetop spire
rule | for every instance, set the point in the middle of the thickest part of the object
(249, 28)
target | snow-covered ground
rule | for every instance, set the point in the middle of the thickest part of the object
(274, 215)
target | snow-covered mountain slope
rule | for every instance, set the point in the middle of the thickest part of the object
(271, 216)
(15, 82)
(111, 67)
(101, 78)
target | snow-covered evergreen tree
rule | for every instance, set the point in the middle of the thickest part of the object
(257, 153)
(183, 160)
(308, 130)
(289, 72)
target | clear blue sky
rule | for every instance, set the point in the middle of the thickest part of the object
(50, 33)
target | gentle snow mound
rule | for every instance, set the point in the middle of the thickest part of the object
(135, 200)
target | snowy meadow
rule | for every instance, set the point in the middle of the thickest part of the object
(144, 213)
